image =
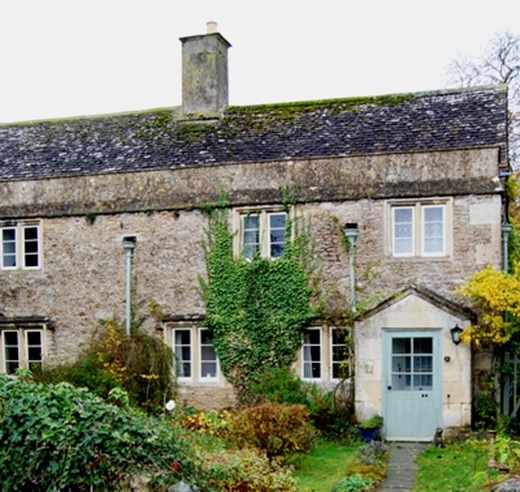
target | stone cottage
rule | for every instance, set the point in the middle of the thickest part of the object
(415, 180)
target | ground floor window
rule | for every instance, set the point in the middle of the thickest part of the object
(195, 355)
(324, 354)
(21, 347)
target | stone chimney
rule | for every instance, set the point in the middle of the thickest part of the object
(204, 74)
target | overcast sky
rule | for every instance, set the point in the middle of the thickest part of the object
(63, 58)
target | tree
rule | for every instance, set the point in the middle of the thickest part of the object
(498, 63)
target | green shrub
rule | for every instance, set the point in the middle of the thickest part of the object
(332, 418)
(373, 453)
(279, 385)
(58, 437)
(245, 471)
(275, 429)
(353, 483)
(139, 363)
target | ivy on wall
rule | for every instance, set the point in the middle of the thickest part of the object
(256, 309)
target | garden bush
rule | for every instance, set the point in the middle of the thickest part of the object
(59, 437)
(139, 363)
(281, 385)
(275, 429)
(245, 471)
(353, 483)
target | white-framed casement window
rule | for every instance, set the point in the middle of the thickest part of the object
(312, 354)
(20, 246)
(208, 356)
(183, 350)
(195, 356)
(420, 229)
(21, 347)
(338, 354)
(262, 232)
(323, 354)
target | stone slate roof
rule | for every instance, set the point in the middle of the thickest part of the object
(440, 120)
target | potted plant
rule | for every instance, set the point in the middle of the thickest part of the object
(369, 428)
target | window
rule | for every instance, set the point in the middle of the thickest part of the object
(20, 246)
(263, 232)
(419, 230)
(21, 348)
(183, 355)
(195, 355)
(339, 354)
(323, 354)
(208, 356)
(311, 350)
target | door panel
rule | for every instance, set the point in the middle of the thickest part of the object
(412, 384)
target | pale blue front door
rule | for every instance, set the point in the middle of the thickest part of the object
(411, 384)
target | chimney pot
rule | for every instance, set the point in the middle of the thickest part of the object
(211, 27)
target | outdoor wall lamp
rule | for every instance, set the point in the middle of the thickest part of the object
(129, 243)
(455, 334)
(351, 232)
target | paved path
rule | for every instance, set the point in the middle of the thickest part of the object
(402, 466)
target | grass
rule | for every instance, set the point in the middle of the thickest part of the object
(324, 465)
(458, 467)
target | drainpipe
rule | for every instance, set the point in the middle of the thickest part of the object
(506, 230)
(351, 232)
(129, 243)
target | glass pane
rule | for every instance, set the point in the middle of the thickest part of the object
(403, 231)
(251, 237)
(11, 338)
(30, 233)
(423, 345)
(34, 338)
(422, 363)
(401, 364)
(11, 352)
(401, 346)
(311, 337)
(182, 337)
(316, 369)
(433, 214)
(207, 352)
(206, 337)
(401, 382)
(402, 214)
(433, 245)
(277, 235)
(422, 382)
(11, 366)
(403, 246)
(276, 250)
(277, 221)
(35, 353)
(251, 221)
(8, 235)
(183, 369)
(208, 369)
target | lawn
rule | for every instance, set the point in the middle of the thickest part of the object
(324, 465)
(458, 467)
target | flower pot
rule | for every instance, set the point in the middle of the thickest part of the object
(369, 434)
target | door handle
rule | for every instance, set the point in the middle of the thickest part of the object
(388, 387)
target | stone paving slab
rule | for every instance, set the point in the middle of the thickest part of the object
(402, 466)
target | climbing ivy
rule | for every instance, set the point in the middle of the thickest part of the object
(256, 309)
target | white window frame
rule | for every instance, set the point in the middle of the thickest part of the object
(334, 362)
(424, 208)
(178, 359)
(201, 361)
(23, 348)
(419, 238)
(20, 246)
(264, 230)
(306, 347)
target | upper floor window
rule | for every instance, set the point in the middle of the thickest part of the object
(262, 232)
(21, 347)
(419, 230)
(20, 246)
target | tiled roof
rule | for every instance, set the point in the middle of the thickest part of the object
(440, 120)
